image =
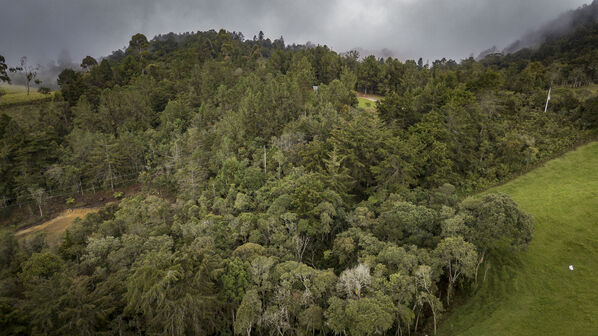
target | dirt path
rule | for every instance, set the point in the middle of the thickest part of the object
(57, 225)
(372, 98)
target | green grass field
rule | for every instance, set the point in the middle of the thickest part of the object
(365, 103)
(17, 94)
(534, 292)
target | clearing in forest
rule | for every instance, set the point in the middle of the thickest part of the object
(367, 101)
(535, 292)
(17, 94)
(56, 226)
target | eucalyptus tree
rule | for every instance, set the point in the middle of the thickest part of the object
(459, 258)
(29, 72)
(427, 293)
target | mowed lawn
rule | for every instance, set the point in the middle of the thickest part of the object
(534, 292)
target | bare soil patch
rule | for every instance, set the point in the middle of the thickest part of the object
(55, 227)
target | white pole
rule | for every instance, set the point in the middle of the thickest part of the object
(265, 171)
(547, 99)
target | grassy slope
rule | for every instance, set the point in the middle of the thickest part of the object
(534, 293)
(16, 94)
(365, 103)
(55, 227)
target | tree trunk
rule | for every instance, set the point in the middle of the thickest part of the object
(416, 320)
(398, 325)
(265, 170)
(109, 167)
(477, 267)
(434, 316)
(486, 272)
(450, 285)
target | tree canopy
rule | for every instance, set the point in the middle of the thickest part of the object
(268, 207)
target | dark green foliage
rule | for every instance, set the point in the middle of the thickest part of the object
(269, 207)
(174, 293)
(359, 140)
(44, 90)
(71, 85)
(401, 110)
(8, 247)
(408, 224)
(495, 219)
(3, 68)
(363, 317)
(138, 43)
(589, 113)
(369, 75)
(39, 267)
(88, 62)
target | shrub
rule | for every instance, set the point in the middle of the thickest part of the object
(44, 90)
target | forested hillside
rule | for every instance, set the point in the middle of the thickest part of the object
(270, 206)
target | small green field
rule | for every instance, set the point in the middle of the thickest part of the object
(17, 94)
(534, 292)
(366, 103)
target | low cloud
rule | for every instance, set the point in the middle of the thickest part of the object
(430, 29)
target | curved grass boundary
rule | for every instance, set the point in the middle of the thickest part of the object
(55, 227)
(16, 95)
(534, 292)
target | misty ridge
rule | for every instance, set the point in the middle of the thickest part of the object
(552, 30)
(47, 71)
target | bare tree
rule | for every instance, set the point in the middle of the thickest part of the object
(29, 71)
(39, 196)
(424, 284)
(352, 281)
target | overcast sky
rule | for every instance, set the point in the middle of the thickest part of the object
(47, 29)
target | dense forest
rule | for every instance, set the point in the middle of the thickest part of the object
(271, 203)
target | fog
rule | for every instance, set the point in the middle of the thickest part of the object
(56, 31)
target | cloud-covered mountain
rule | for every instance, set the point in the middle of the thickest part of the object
(561, 26)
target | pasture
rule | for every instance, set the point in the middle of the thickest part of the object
(17, 94)
(535, 292)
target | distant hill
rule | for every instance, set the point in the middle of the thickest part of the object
(563, 25)
(565, 48)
